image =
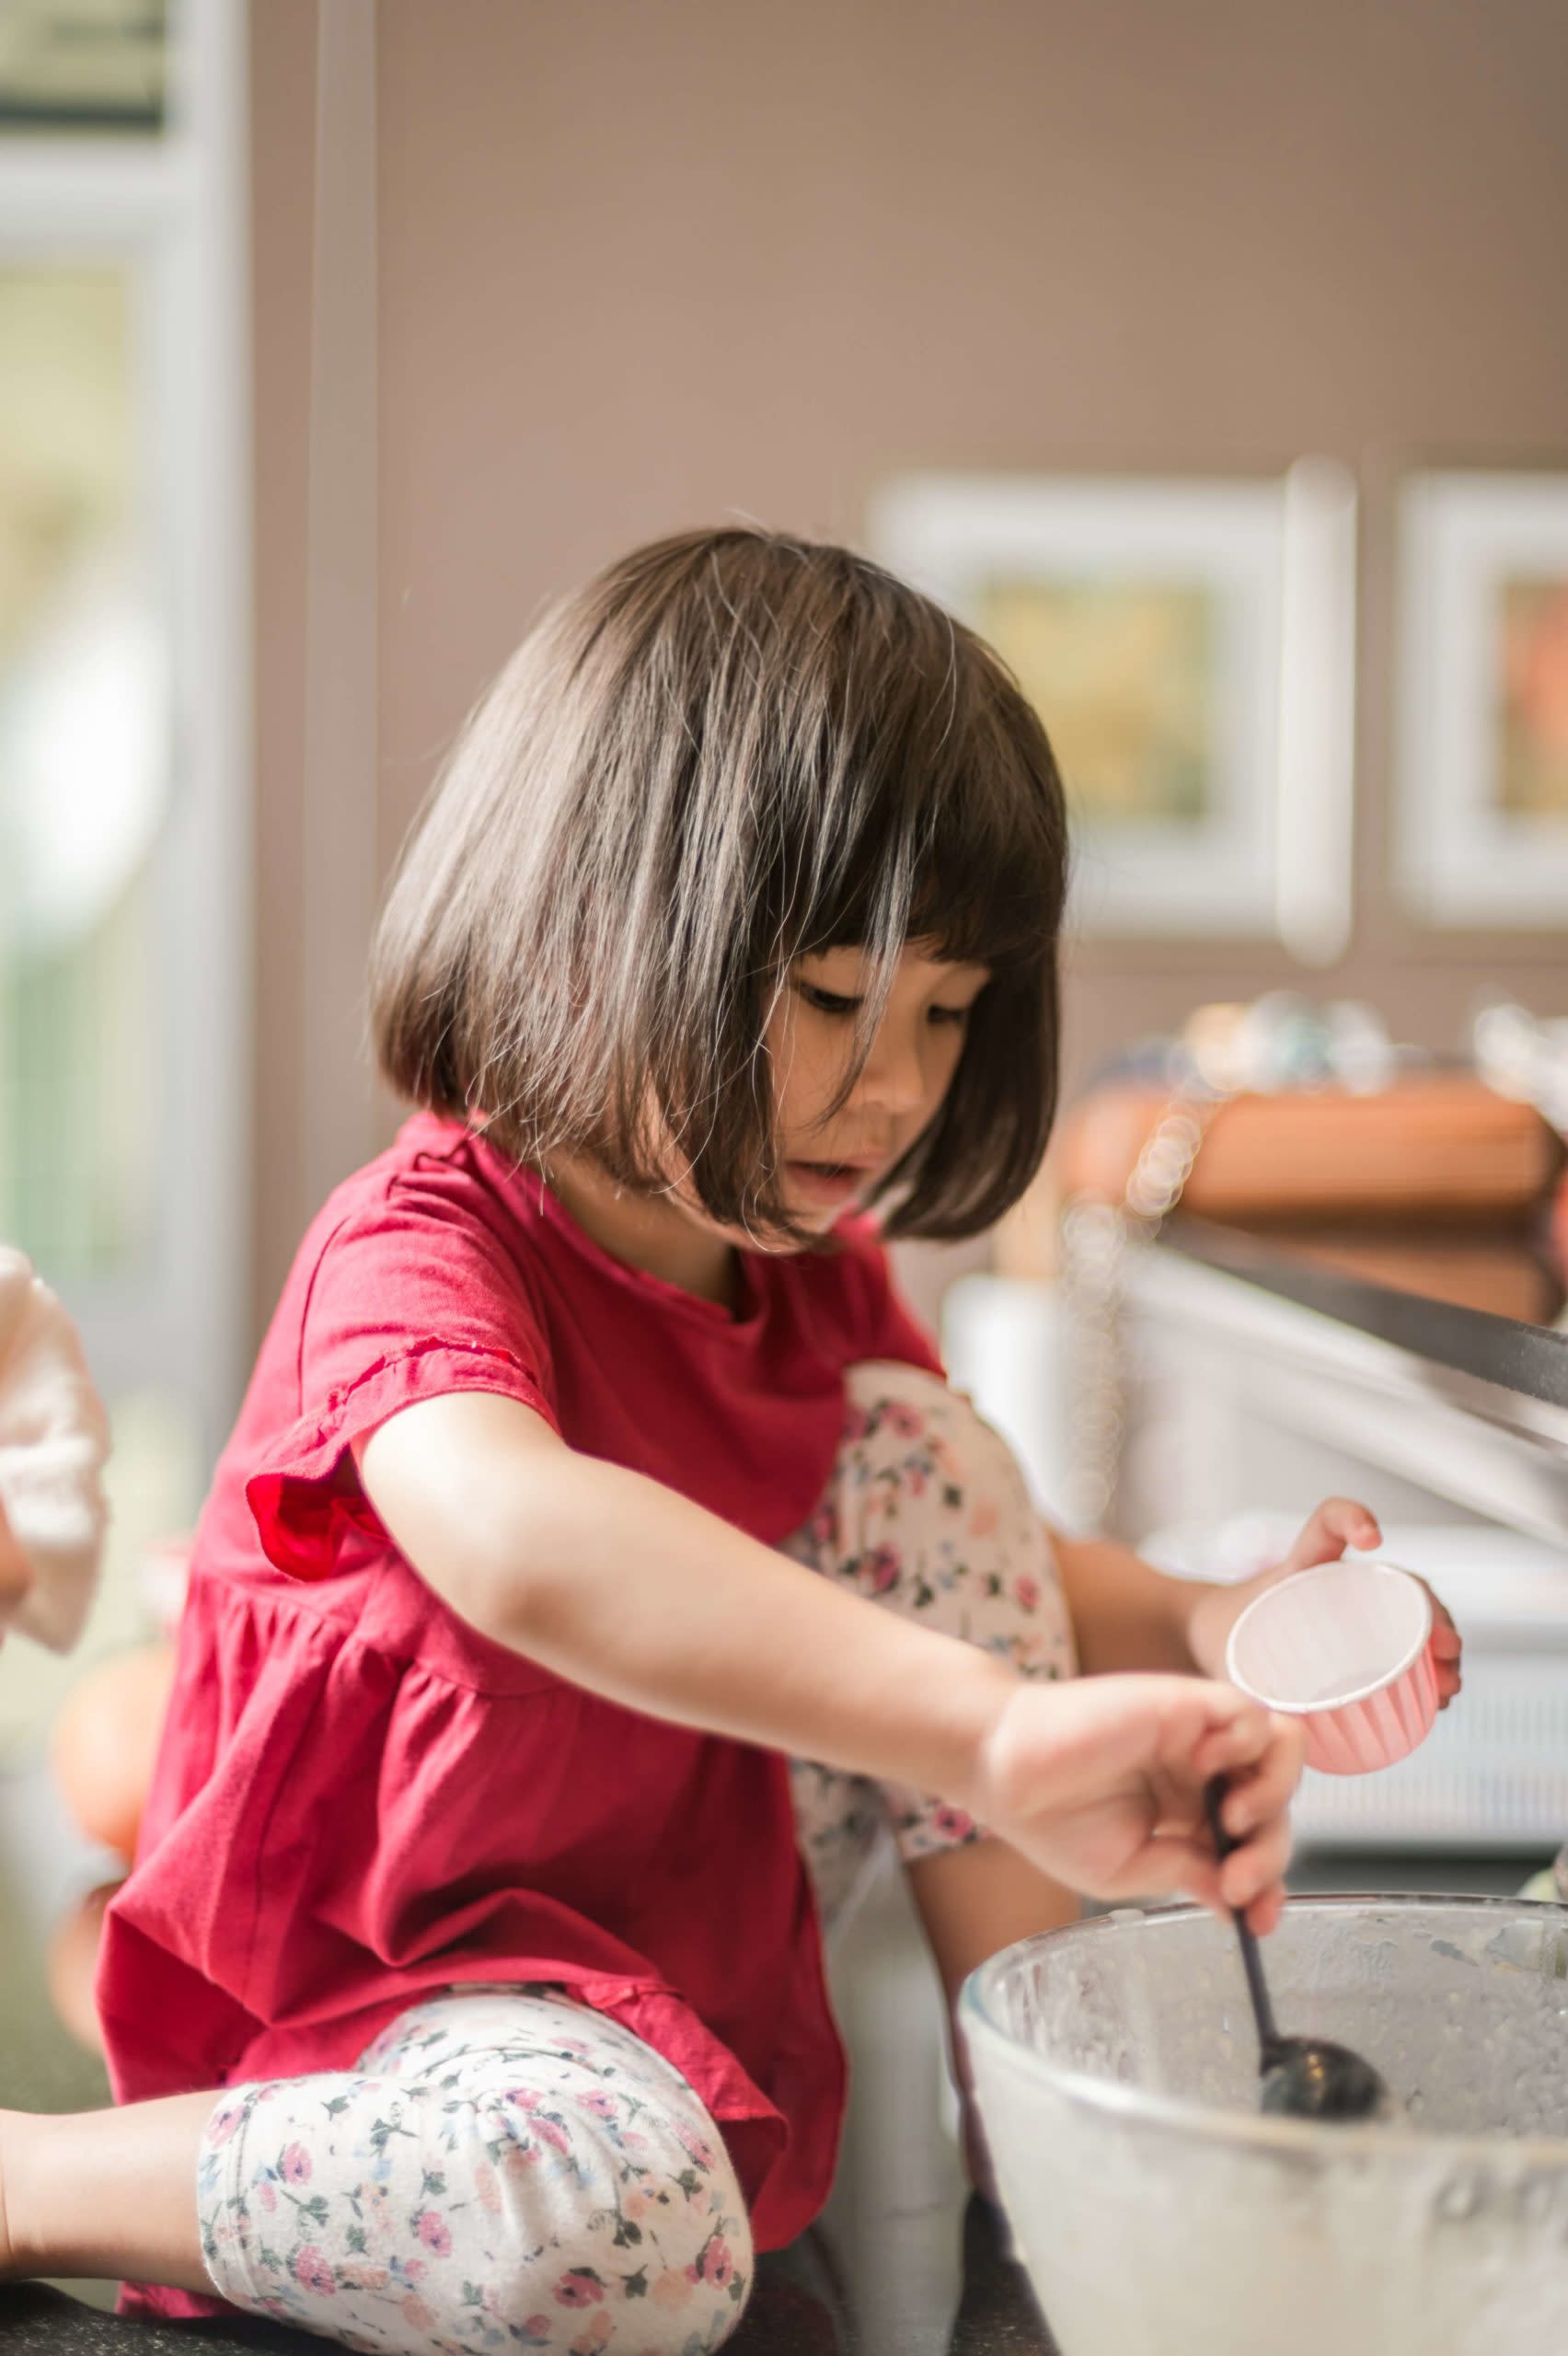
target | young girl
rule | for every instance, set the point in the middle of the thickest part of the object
(467, 1992)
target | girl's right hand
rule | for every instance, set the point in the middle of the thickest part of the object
(1101, 1784)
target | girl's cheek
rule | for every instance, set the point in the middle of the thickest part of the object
(953, 1052)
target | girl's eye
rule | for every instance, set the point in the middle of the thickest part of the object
(948, 1015)
(827, 1001)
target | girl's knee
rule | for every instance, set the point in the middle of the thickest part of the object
(903, 1420)
(917, 1453)
(589, 2215)
(548, 2193)
(929, 1512)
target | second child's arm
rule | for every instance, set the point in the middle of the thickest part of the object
(630, 1590)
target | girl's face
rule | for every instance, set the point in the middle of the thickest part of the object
(830, 1157)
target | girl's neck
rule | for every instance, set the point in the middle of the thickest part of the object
(649, 1232)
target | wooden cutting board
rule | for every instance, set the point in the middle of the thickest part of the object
(1441, 1148)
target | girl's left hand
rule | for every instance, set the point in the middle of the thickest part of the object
(1338, 1522)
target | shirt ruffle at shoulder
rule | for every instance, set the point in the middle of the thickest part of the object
(302, 1498)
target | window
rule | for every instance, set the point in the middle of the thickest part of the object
(124, 728)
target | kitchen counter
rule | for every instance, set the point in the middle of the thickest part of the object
(1277, 1365)
(1483, 1307)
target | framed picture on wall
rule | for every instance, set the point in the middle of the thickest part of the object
(1190, 646)
(1483, 746)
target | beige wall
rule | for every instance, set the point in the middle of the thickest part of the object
(648, 262)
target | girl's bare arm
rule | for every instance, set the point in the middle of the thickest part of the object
(625, 1588)
(623, 1585)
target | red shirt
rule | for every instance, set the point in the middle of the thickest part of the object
(360, 1800)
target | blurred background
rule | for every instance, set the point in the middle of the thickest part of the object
(336, 337)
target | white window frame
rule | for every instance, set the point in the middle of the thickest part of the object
(175, 206)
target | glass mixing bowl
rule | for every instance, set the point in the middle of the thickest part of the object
(1159, 2214)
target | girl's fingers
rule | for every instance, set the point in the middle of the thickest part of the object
(1169, 1865)
(1189, 1869)
(1263, 1915)
(1447, 1651)
(1256, 1798)
(1444, 1633)
(1239, 1741)
(1251, 1739)
(1262, 1756)
(1338, 1522)
(1250, 1873)
(1252, 1879)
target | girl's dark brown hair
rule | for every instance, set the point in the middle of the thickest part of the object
(729, 750)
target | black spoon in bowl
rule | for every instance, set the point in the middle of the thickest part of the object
(1300, 2077)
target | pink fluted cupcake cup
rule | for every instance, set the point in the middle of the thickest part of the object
(1346, 1648)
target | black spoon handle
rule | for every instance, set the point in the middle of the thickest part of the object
(1251, 1959)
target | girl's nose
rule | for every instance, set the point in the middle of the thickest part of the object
(895, 1080)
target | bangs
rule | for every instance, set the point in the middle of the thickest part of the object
(987, 879)
(984, 889)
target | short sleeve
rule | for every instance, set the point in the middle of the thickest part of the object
(411, 1298)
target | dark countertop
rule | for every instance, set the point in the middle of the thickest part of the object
(1426, 1293)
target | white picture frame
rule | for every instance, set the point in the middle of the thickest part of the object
(1472, 849)
(1265, 851)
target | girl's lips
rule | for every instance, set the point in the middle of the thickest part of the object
(825, 1182)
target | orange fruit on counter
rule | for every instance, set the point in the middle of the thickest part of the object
(104, 1743)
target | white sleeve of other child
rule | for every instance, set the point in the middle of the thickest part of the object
(53, 1441)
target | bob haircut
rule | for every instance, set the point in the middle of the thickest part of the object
(729, 750)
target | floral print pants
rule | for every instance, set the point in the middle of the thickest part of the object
(505, 2169)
